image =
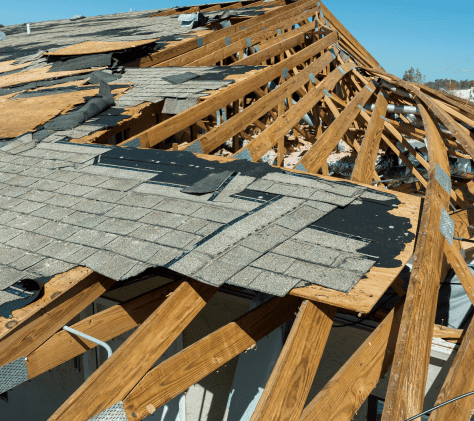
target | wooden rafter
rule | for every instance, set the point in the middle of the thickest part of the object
(289, 384)
(123, 370)
(104, 326)
(81, 287)
(179, 372)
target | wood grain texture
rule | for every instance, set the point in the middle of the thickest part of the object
(319, 152)
(343, 395)
(37, 110)
(40, 73)
(267, 139)
(365, 162)
(32, 334)
(218, 135)
(215, 40)
(406, 388)
(356, 45)
(52, 290)
(104, 326)
(95, 47)
(178, 373)
(288, 386)
(461, 269)
(122, 371)
(162, 131)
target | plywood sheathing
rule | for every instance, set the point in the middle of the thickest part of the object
(8, 66)
(36, 111)
(35, 75)
(94, 47)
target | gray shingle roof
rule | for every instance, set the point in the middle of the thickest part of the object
(62, 206)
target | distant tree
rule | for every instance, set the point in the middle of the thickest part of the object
(451, 85)
(413, 75)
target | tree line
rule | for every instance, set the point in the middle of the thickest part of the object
(416, 76)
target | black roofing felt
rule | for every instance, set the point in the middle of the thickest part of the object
(80, 62)
(387, 233)
(137, 158)
(27, 289)
(94, 106)
(208, 184)
(42, 83)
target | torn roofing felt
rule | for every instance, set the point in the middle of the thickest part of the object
(93, 107)
(119, 211)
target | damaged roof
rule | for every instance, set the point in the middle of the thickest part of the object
(120, 211)
(255, 144)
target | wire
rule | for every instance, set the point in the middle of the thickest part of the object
(368, 315)
(439, 406)
(460, 210)
(463, 239)
(392, 179)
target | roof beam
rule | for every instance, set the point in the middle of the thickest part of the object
(114, 379)
(83, 287)
(365, 162)
(314, 158)
(290, 382)
(269, 137)
(104, 326)
(218, 135)
(343, 395)
(406, 389)
(178, 373)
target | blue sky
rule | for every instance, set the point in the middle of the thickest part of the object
(436, 36)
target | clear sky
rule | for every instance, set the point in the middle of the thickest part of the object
(435, 35)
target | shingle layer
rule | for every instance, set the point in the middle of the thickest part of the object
(64, 205)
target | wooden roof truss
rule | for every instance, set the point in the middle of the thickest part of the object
(311, 67)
